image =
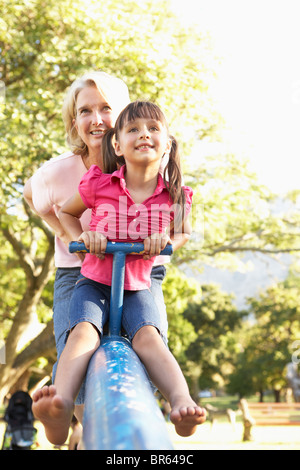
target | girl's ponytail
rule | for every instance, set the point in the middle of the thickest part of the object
(110, 159)
(174, 184)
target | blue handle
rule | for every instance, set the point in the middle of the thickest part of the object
(113, 247)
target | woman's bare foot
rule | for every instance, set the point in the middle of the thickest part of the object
(54, 412)
(186, 416)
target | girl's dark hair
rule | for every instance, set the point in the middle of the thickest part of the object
(110, 160)
(146, 109)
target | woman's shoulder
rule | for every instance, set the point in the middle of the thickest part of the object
(67, 160)
(58, 167)
(56, 180)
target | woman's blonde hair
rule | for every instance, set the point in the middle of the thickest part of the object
(113, 89)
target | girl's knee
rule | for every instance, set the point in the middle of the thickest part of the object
(145, 337)
(84, 331)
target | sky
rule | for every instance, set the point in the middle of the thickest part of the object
(258, 86)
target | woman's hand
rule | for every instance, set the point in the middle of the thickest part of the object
(95, 242)
(154, 244)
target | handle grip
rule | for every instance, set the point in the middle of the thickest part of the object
(113, 247)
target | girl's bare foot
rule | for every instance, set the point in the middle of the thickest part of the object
(186, 417)
(54, 412)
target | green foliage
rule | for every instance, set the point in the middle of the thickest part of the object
(214, 318)
(268, 346)
(234, 214)
(44, 46)
(179, 290)
(11, 285)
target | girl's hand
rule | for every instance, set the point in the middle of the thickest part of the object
(154, 244)
(95, 242)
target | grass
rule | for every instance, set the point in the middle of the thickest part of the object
(220, 436)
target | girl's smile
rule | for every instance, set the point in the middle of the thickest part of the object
(141, 137)
(144, 147)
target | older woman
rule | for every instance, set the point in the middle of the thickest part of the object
(91, 106)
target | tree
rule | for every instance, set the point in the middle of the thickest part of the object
(44, 46)
(268, 348)
(236, 214)
(179, 291)
(210, 354)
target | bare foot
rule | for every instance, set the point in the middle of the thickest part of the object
(54, 412)
(186, 417)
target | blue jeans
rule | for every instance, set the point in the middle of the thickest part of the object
(65, 281)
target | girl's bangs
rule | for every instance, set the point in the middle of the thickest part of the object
(140, 110)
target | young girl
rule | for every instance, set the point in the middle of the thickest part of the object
(134, 203)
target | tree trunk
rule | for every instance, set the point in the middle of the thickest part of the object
(276, 396)
(248, 420)
(37, 278)
(42, 345)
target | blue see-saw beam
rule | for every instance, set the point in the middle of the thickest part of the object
(121, 412)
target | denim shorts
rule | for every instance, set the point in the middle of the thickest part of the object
(65, 280)
(91, 300)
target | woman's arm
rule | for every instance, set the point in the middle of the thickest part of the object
(50, 217)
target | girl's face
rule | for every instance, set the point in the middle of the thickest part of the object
(142, 141)
(94, 117)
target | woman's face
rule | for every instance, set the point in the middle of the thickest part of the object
(94, 117)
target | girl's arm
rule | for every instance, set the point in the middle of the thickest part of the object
(180, 238)
(156, 242)
(69, 216)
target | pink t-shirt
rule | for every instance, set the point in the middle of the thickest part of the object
(115, 214)
(52, 185)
